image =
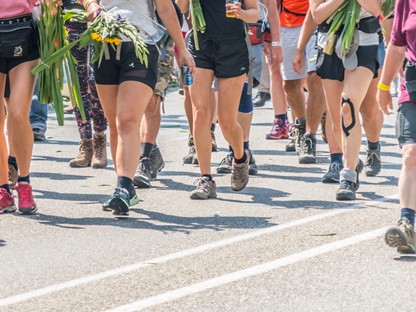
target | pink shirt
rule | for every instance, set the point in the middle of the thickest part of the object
(14, 8)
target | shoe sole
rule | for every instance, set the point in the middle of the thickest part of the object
(79, 166)
(187, 161)
(119, 207)
(141, 183)
(345, 196)
(282, 137)
(371, 174)
(27, 211)
(96, 166)
(394, 237)
(290, 149)
(9, 209)
(307, 160)
(202, 196)
(330, 180)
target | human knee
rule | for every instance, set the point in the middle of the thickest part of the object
(409, 156)
(202, 115)
(292, 86)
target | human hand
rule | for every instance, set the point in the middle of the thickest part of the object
(298, 61)
(385, 101)
(184, 57)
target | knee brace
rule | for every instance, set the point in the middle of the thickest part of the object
(246, 103)
(346, 130)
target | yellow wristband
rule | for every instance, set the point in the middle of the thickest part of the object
(383, 87)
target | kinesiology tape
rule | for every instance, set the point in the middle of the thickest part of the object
(344, 128)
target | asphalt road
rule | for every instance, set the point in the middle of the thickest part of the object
(282, 244)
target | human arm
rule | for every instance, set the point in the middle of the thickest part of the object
(274, 51)
(306, 32)
(373, 7)
(183, 5)
(92, 7)
(321, 10)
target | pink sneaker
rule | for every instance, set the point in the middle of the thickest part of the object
(280, 130)
(6, 201)
(27, 204)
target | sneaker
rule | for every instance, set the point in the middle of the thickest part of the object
(332, 175)
(214, 142)
(307, 150)
(239, 175)
(13, 175)
(372, 165)
(300, 130)
(39, 135)
(156, 162)
(280, 130)
(291, 146)
(6, 201)
(120, 202)
(204, 189)
(401, 237)
(346, 190)
(261, 99)
(252, 167)
(226, 164)
(142, 176)
(134, 200)
(188, 159)
(323, 128)
(195, 159)
(26, 203)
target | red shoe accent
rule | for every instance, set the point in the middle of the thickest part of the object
(6, 201)
(280, 130)
(27, 204)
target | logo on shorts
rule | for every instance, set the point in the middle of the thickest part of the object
(18, 51)
(242, 68)
(131, 65)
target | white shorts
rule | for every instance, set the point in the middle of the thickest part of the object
(290, 38)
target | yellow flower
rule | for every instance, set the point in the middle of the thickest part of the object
(114, 40)
(96, 37)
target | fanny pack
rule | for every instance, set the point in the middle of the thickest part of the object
(16, 39)
(410, 80)
(256, 32)
(369, 25)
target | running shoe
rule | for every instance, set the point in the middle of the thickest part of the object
(120, 202)
(26, 203)
(307, 150)
(189, 159)
(279, 131)
(226, 164)
(401, 237)
(142, 176)
(134, 200)
(291, 146)
(239, 174)
(204, 189)
(261, 99)
(372, 165)
(346, 190)
(156, 162)
(300, 130)
(332, 175)
(6, 201)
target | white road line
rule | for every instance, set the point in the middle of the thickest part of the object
(249, 272)
(180, 254)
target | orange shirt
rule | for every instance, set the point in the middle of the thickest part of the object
(293, 12)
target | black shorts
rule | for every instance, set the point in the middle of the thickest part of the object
(227, 57)
(128, 68)
(406, 124)
(331, 67)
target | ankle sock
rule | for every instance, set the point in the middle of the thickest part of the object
(242, 160)
(230, 149)
(12, 161)
(24, 179)
(281, 117)
(246, 145)
(209, 176)
(337, 157)
(373, 145)
(147, 150)
(213, 127)
(6, 187)
(124, 182)
(409, 214)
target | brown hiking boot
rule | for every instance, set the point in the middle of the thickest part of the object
(85, 155)
(13, 175)
(99, 158)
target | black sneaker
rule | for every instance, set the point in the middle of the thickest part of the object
(300, 130)
(291, 146)
(120, 202)
(332, 175)
(134, 200)
(252, 167)
(307, 149)
(188, 159)
(226, 164)
(142, 176)
(261, 99)
(156, 162)
(39, 135)
(372, 165)
(401, 237)
(346, 190)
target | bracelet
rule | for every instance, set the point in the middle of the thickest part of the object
(276, 43)
(383, 87)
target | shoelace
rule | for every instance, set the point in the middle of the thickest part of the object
(372, 157)
(142, 166)
(307, 145)
(227, 160)
(202, 184)
(347, 185)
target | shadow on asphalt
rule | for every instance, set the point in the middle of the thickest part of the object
(59, 176)
(2, 243)
(406, 259)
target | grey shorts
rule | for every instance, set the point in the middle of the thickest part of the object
(406, 124)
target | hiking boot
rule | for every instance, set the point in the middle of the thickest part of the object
(120, 202)
(323, 128)
(142, 176)
(6, 201)
(204, 189)
(13, 175)
(280, 130)
(99, 157)
(226, 163)
(261, 99)
(300, 130)
(214, 142)
(401, 237)
(332, 175)
(307, 150)
(346, 190)
(39, 135)
(85, 155)
(156, 162)
(372, 165)
(239, 174)
(252, 167)
(134, 200)
(188, 159)
(291, 146)
(26, 203)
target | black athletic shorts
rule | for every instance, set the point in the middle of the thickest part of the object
(227, 57)
(128, 68)
(331, 67)
(406, 124)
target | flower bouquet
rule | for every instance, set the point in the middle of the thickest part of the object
(198, 20)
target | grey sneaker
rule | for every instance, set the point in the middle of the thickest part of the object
(204, 189)
(346, 190)
(156, 162)
(300, 130)
(332, 175)
(291, 146)
(142, 176)
(307, 149)
(239, 174)
(401, 237)
(226, 164)
(252, 167)
(372, 165)
(191, 154)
